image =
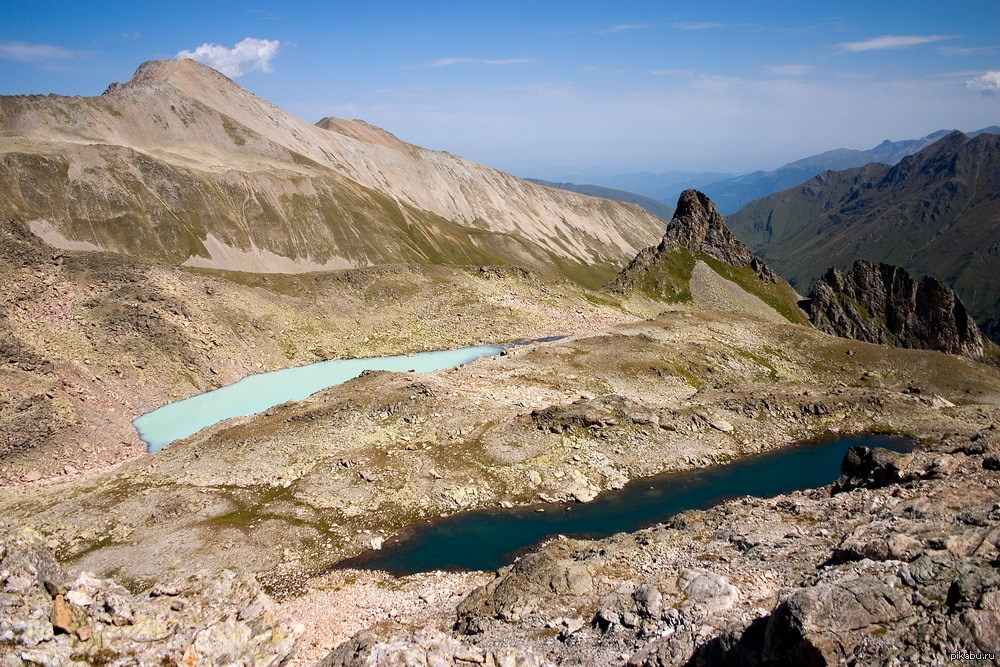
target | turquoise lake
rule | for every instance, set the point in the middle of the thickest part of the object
(490, 539)
(257, 393)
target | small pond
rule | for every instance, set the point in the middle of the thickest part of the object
(489, 539)
(257, 393)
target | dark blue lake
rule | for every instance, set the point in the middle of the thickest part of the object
(490, 539)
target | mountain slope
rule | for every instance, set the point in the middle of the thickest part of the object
(935, 213)
(700, 259)
(654, 206)
(182, 165)
(734, 193)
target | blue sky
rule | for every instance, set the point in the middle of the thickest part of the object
(550, 88)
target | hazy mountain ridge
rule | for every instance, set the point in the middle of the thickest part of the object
(654, 206)
(935, 213)
(182, 165)
(732, 194)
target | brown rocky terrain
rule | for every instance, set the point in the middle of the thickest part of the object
(48, 618)
(91, 340)
(285, 494)
(883, 304)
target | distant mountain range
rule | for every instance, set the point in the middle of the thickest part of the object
(937, 212)
(654, 206)
(731, 192)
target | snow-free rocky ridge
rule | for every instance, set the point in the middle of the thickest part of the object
(181, 164)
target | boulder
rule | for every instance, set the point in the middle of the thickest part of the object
(44, 619)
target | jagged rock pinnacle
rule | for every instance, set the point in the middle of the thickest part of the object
(697, 226)
(884, 304)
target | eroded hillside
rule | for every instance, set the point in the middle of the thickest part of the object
(182, 165)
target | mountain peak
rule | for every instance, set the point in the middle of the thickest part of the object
(696, 206)
(698, 226)
(189, 76)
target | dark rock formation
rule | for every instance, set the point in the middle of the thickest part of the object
(695, 228)
(884, 304)
(48, 619)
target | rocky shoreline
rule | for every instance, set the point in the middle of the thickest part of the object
(894, 564)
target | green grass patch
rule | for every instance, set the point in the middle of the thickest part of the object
(779, 296)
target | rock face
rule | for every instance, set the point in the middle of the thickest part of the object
(936, 212)
(182, 165)
(47, 619)
(698, 228)
(884, 304)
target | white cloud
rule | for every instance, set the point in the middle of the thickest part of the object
(247, 56)
(966, 51)
(988, 83)
(702, 25)
(445, 62)
(891, 42)
(625, 26)
(25, 52)
(787, 70)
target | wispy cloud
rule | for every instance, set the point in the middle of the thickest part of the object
(676, 71)
(988, 84)
(622, 27)
(591, 69)
(447, 62)
(250, 55)
(891, 42)
(787, 70)
(25, 52)
(966, 50)
(698, 25)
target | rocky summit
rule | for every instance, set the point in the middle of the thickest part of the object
(884, 304)
(697, 226)
(697, 240)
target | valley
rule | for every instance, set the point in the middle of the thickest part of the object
(177, 234)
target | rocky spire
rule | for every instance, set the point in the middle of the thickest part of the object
(698, 226)
(884, 304)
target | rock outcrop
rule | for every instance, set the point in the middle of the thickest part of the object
(884, 304)
(48, 619)
(698, 228)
